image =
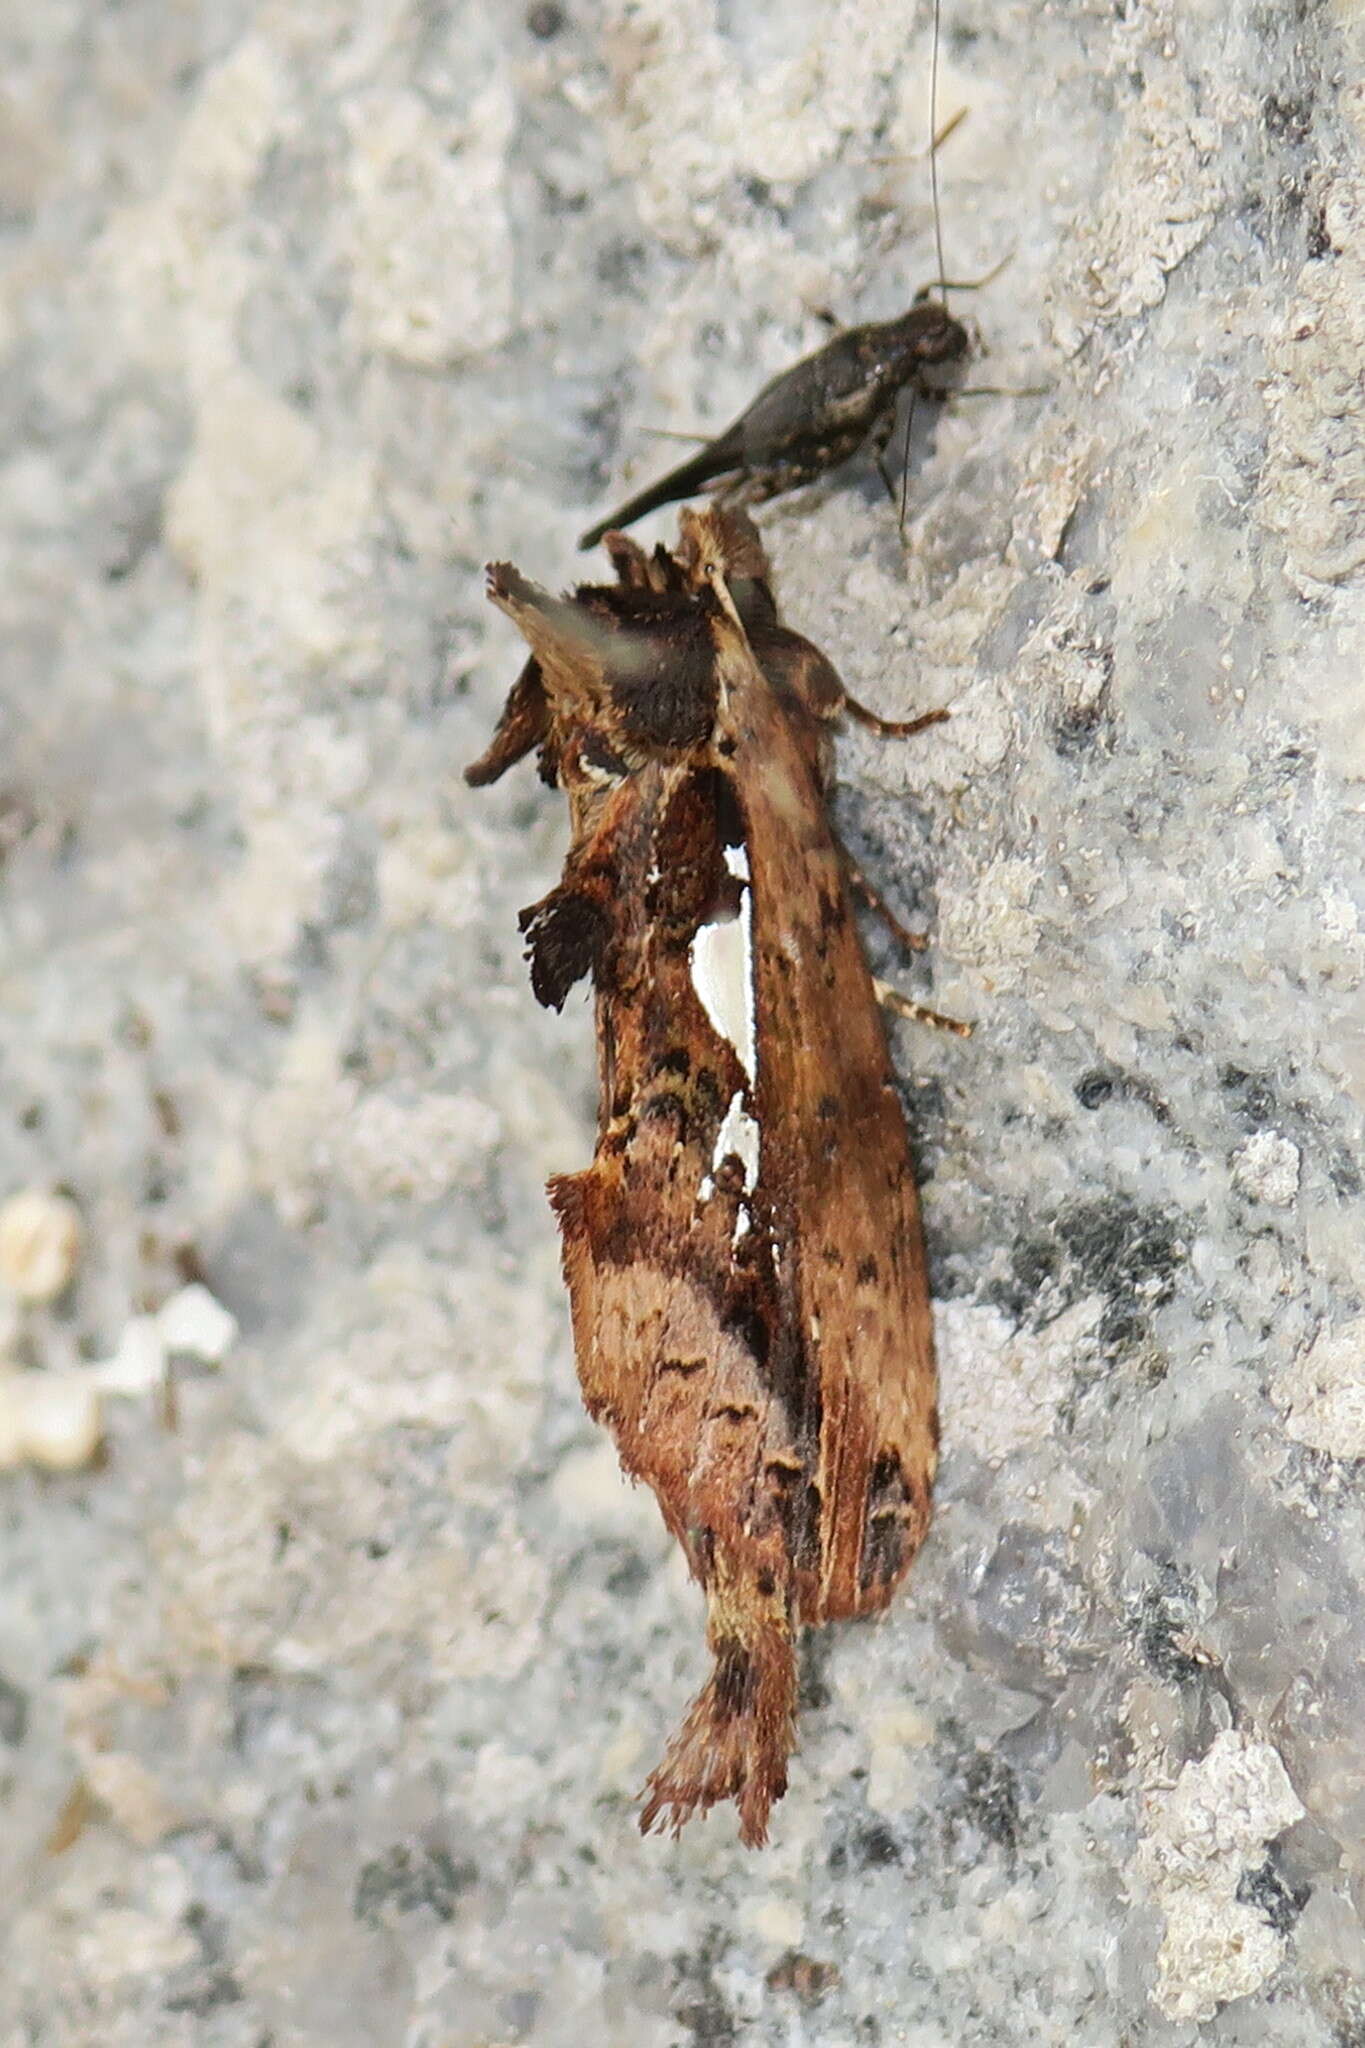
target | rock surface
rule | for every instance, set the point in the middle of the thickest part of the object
(322, 1714)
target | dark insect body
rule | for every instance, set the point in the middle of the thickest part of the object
(743, 1256)
(813, 416)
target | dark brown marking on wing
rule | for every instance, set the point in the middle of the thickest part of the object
(734, 1674)
(524, 724)
(565, 933)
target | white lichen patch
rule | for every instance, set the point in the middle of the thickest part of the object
(683, 119)
(431, 281)
(900, 1769)
(1000, 1388)
(1266, 1169)
(129, 1793)
(174, 263)
(1166, 187)
(1313, 483)
(992, 927)
(318, 1125)
(1321, 1393)
(1199, 1838)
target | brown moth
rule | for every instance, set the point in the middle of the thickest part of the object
(743, 1256)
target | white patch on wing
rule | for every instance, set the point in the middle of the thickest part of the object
(722, 964)
(738, 1133)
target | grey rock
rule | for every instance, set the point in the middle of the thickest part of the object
(306, 313)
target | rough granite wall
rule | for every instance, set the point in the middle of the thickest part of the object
(322, 1712)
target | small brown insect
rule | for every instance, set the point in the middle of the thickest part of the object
(813, 416)
(743, 1256)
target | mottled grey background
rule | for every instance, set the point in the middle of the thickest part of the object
(307, 309)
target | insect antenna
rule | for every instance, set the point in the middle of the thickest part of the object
(905, 463)
(933, 152)
(938, 246)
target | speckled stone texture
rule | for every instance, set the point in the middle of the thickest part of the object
(322, 1714)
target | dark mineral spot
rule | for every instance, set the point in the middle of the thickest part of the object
(701, 2008)
(1289, 118)
(406, 1879)
(1251, 1097)
(1163, 1626)
(213, 1989)
(1076, 731)
(1319, 239)
(869, 1846)
(991, 1798)
(812, 1687)
(1118, 1246)
(1268, 1892)
(1096, 1087)
(13, 1714)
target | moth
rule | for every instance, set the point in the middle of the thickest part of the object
(813, 416)
(743, 1256)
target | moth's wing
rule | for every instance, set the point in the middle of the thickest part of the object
(525, 723)
(835, 1173)
(671, 1285)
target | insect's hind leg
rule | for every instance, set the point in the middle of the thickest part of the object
(871, 896)
(917, 1013)
(892, 728)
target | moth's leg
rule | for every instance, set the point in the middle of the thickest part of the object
(880, 441)
(903, 1006)
(875, 901)
(891, 728)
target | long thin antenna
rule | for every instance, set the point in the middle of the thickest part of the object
(905, 465)
(938, 245)
(933, 154)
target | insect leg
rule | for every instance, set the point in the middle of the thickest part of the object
(880, 440)
(915, 942)
(891, 728)
(902, 1006)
